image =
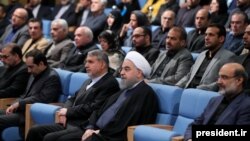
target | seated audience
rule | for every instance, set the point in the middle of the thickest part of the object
(59, 48)
(38, 10)
(109, 45)
(218, 10)
(82, 11)
(141, 39)
(17, 31)
(43, 86)
(151, 8)
(114, 21)
(14, 75)
(83, 44)
(232, 107)
(196, 38)
(36, 41)
(204, 72)
(4, 22)
(78, 108)
(174, 63)
(160, 34)
(126, 7)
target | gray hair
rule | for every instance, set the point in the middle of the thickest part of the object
(101, 56)
(88, 32)
(63, 24)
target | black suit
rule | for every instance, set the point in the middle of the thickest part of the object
(3, 24)
(43, 88)
(133, 111)
(79, 107)
(44, 12)
(13, 81)
(69, 14)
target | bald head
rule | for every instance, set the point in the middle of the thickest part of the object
(19, 17)
(202, 18)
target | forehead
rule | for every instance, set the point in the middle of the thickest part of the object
(168, 14)
(128, 63)
(248, 28)
(138, 31)
(213, 30)
(133, 16)
(34, 24)
(6, 50)
(227, 70)
(174, 33)
(201, 13)
(237, 17)
(29, 60)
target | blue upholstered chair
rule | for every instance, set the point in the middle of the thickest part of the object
(195, 55)
(192, 104)
(46, 28)
(169, 100)
(126, 49)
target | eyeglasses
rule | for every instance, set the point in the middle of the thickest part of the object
(4, 56)
(137, 35)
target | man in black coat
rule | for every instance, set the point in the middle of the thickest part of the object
(89, 98)
(43, 86)
(14, 75)
(127, 107)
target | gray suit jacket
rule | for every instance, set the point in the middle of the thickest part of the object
(209, 78)
(20, 37)
(176, 68)
(59, 53)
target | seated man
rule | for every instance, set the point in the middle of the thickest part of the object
(127, 107)
(141, 39)
(14, 75)
(232, 107)
(43, 86)
(174, 63)
(204, 72)
(90, 97)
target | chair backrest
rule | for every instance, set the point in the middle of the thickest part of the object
(142, 3)
(169, 100)
(76, 81)
(126, 49)
(192, 104)
(195, 55)
(65, 80)
(46, 28)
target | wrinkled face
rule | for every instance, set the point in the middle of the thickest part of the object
(96, 6)
(201, 19)
(133, 21)
(35, 2)
(138, 38)
(212, 39)
(129, 74)
(18, 17)
(214, 6)
(110, 20)
(104, 44)
(35, 30)
(237, 24)
(94, 66)
(7, 58)
(57, 32)
(33, 69)
(80, 38)
(167, 19)
(227, 81)
(173, 40)
(246, 37)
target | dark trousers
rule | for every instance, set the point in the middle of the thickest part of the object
(10, 120)
(54, 132)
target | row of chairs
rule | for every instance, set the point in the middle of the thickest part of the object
(177, 108)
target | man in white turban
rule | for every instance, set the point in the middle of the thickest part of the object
(127, 107)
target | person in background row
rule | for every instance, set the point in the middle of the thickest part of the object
(232, 107)
(17, 31)
(14, 75)
(4, 22)
(114, 21)
(36, 41)
(38, 10)
(218, 10)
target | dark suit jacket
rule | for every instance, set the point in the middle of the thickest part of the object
(149, 53)
(69, 14)
(3, 24)
(85, 101)
(13, 81)
(44, 12)
(195, 41)
(236, 113)
(175, 69)
(20, 37)
(133, 111)
(46, 89)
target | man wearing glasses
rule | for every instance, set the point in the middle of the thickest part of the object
(141, 39)
(17, 31)
(14, 74)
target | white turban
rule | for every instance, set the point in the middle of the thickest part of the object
(140, 62)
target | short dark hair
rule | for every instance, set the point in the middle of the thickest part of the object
(242, 73)
(182, 31)
(38, 57)
(147, 31)
(238, 12)
(14, 49)
(34, 20)
(101, 56)
(222, 30)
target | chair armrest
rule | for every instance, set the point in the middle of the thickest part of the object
(130, 129)
(178, 138)
(28, 119)
(6, 102)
